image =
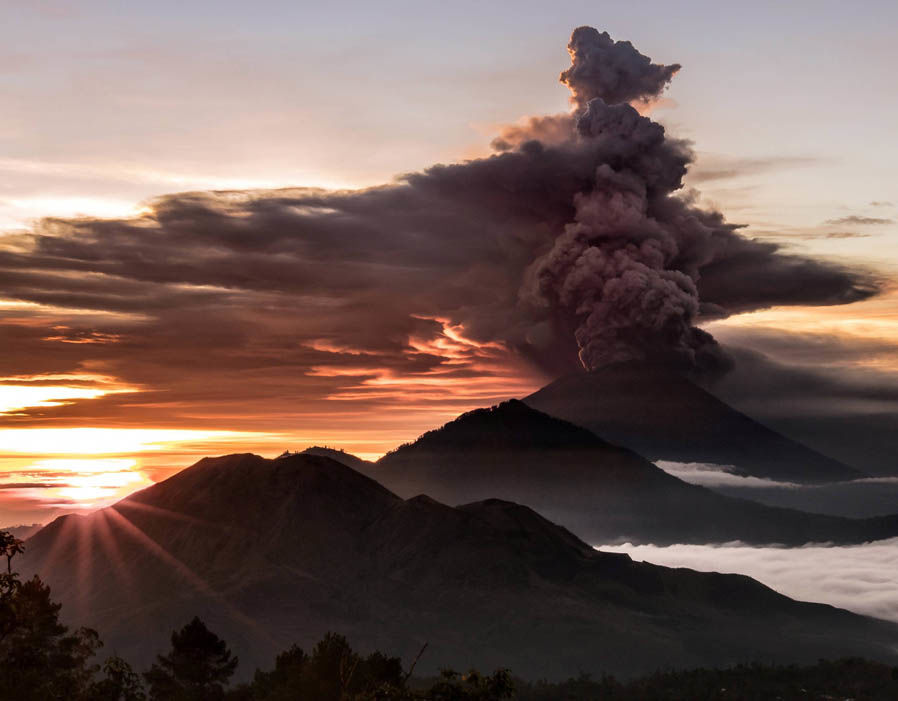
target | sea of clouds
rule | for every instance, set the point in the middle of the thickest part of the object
(860, 578)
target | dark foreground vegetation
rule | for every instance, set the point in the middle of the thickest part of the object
(41, 659)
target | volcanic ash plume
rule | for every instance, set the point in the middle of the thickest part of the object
(612, 70)
(571, 246)
(625, 269)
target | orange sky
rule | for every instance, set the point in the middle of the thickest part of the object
(115, 374)
(79, 440)
(87, 439)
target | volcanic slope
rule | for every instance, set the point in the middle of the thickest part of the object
(600, 491)
(276, 552)
(662, 415)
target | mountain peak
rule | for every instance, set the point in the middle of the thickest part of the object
(509, 425)
(609, 493)
(340, 455)
(260, 493)
(663, 415)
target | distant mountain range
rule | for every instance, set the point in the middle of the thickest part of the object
(602, 492)
(662, 415)
(275, 552)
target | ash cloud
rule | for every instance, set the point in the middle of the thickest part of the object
(837, 395)
(573, 245)
(613, 71)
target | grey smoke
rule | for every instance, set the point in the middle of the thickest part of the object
(575, 244)
(626, 267)
(611, 70)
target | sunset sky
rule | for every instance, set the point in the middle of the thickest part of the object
(142, 330)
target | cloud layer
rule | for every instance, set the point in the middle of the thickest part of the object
(861, 498)
(862, 578)
(573, 245)
(710, 475)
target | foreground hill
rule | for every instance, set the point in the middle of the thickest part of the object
(662, 415)
(272, 552)
(600, 491)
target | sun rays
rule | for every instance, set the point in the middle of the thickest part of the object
(102, 549)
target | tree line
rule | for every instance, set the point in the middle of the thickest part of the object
(41, 660)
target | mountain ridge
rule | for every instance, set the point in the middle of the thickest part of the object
(603, 492)
(314, 546)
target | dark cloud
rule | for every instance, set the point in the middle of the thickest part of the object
(752, 274)
(573, 244)
(814, 234)
(845, 235)
(835, 394)
(712, 167)
(549, 130)
(613, 71)
(33, 485)
(855, 220)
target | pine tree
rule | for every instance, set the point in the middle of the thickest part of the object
(197, 668)
(39, 658)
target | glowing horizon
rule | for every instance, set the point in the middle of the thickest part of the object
(148, 323)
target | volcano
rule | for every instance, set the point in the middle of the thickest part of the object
(662, 415)
(603, 492)
(275, 552)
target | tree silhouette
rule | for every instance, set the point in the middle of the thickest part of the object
(10, 546)
(333, 672)
(198, 666)
(472, 686)
(39, 658)
(120, 683)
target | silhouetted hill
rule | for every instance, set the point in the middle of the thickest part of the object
(602, 492)
(272, 552)
(662, 415)
(23, 531)
(342, 456)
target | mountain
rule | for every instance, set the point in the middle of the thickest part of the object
(275, 552)
(662, 415)
(23, 531)
(341, 456)
(602, 492)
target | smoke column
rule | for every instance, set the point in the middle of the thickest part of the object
(625, 268)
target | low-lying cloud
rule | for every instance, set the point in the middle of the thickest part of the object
(710, 475)
(861, 578)
(860, 498)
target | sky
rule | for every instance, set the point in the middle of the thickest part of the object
(196, 328)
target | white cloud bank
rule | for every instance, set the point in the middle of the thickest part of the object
(862, 498)
(710, 475)
(860, 578)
